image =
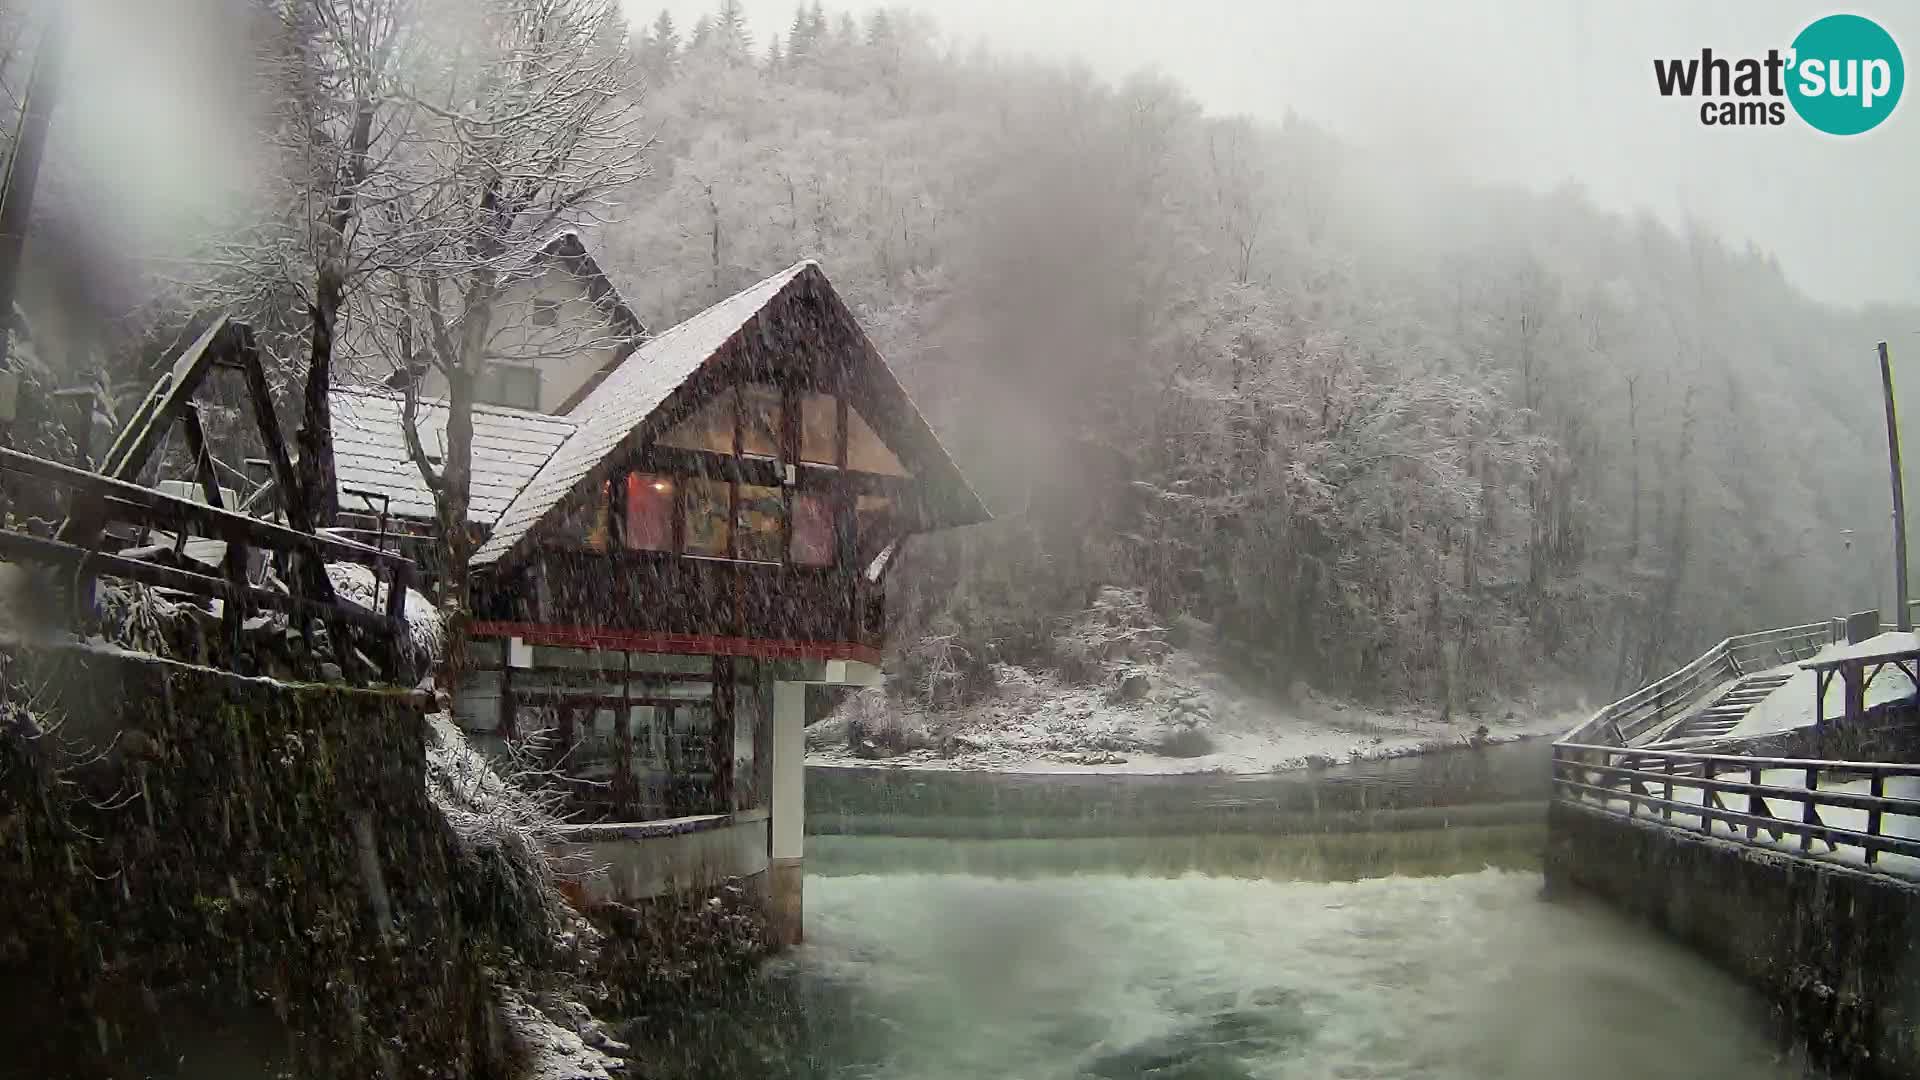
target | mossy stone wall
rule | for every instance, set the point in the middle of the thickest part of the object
(192, 861)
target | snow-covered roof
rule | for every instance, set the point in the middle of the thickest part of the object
(569, 251)
(627, 396)
(525, 463)
(370, 453)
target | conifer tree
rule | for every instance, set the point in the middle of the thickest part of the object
(661, 45)
(800, 37)
(730, 33)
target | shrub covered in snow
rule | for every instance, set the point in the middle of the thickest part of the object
(1116, 631)
(941, 670)
(503, 834)
(426, 637)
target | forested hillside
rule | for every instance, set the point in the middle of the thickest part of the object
(1382, 431)
(1385, 432)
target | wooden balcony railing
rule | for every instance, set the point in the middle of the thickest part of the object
(103, 500)
(1859, 810)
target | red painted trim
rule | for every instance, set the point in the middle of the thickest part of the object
(582, 637)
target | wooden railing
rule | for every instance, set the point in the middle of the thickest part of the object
(1651, 706)
(1692, 790)
(103, 500)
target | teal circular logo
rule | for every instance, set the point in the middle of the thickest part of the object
(1846, 74)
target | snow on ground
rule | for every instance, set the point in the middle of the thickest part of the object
(362, 586)
(1187, 719)
(578, 1049)
(1791, 706)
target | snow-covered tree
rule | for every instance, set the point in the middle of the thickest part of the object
(523, 125)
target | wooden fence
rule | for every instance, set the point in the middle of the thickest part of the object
(102, 500)
(1652, 706)
(1736, 792)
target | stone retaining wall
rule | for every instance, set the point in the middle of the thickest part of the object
(201, 866)
(1835, 948)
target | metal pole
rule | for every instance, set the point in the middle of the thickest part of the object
(23, 168)
(1905, 617)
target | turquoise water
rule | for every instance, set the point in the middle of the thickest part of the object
(1095, 931)
(1114, 976)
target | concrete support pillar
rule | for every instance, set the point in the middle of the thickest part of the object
(785, 871)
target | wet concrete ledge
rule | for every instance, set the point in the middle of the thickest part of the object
(1835, 949)
(647, 860)
(647, 830)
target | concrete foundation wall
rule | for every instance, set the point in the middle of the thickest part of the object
(1837, 949)
(647, 860)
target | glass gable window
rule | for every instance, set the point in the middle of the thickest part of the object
(648, 523)
(584, 523)
(710, 428)
(743, 511)
(870, 514)
(866, 451)
(708, 502)
(817, 425)
(758, 531)
(760, 421)
(812, 531)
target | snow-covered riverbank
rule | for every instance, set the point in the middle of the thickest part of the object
(1176, 717)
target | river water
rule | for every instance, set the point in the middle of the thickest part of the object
(1218, 928)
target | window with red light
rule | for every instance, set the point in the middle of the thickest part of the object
(648, 525)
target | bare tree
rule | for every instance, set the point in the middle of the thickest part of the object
(340, 122)
(524, 124)
(1237, 171)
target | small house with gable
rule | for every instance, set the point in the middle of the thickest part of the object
(681, 533)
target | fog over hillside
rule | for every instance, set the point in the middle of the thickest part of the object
(1536, 95)
(1401, 374)
(1391, 430)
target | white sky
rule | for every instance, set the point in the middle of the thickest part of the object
(1532, 92)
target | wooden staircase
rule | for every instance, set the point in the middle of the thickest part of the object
(1726, 711)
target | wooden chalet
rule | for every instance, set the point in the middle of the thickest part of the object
(698, 529)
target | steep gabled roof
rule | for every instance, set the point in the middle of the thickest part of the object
(570, 253)
(623, 400)
(370, 452)
(615, 409)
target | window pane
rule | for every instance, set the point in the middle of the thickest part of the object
(525, 392)
(706, 516)
(515, 386)
(865, 451)
(816, 429)
(760, 514)
(649, 523)
(584, 521)
(812, 531)
(870, 515)
(760, 420)
(711, 428)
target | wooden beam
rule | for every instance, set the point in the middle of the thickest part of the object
(202, 457)
(148, 425)
(292, 498)
(588, 637)
(131, 502)
(720, 743)
(27, 548)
